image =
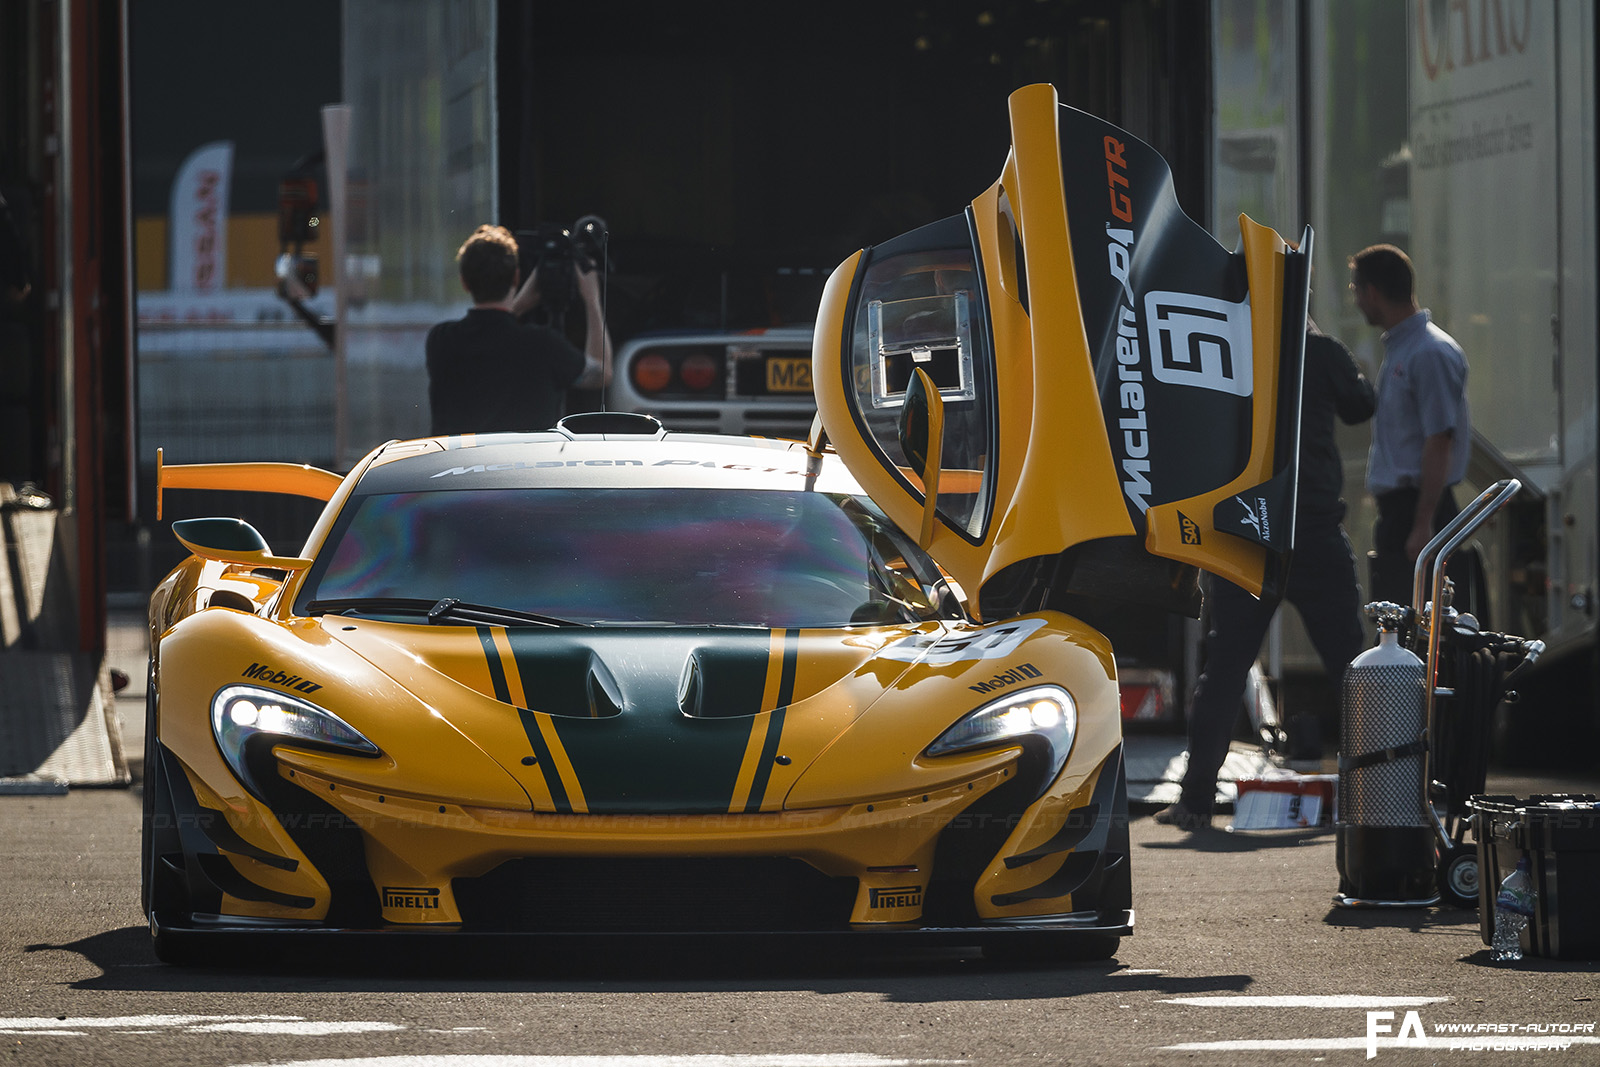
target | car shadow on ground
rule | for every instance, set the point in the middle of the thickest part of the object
(127, 963)
(1218, 839)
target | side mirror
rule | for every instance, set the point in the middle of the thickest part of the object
(922, 441)
(232, 541)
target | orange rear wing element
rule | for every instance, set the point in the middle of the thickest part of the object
(294, 479)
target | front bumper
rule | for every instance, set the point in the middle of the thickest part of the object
(969, 864)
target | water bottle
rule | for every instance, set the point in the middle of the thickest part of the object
(1513, 904)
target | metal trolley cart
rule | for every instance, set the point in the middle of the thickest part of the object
(1416, 714)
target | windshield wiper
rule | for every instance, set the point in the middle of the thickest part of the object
(443, 612)
(450, 610)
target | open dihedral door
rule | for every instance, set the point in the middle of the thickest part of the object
(1103, 372)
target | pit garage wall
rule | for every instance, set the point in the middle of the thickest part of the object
(1464, 133)
(66, 374)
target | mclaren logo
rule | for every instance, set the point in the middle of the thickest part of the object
(272, 676)
(491, 468)
(1130, 357)
(900, 896)
(415, 898)
(1189, 529)
(1256, 518)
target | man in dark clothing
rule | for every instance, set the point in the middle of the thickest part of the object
(489, 371)
(1321, 583)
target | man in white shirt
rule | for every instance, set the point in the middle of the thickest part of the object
(1422, 431)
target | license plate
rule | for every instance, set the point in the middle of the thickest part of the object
(788, 374)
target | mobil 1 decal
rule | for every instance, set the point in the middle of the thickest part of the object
(1167, 314)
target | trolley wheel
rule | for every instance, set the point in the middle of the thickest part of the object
(1458, 876)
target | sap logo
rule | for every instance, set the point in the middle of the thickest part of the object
(900, 896)
(414, 897)
(1188, 529)
(1200, 341)
(262, 673)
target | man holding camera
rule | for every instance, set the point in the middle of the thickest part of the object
(489, 371)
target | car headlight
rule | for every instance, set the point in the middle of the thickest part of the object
(240, 714)
(1044, 712)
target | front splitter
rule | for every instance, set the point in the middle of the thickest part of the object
(238, 944)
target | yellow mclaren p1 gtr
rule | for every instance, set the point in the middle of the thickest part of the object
(604, 679)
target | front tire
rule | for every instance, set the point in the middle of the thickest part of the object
(157, 807)
(162, 894)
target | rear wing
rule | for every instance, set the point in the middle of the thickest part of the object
(295, 479)
(1198, 356)
(1119, 394)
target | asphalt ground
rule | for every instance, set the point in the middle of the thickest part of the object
(1239, 957)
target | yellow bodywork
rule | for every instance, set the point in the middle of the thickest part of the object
(453, 794)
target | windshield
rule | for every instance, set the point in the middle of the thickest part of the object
(688, 557)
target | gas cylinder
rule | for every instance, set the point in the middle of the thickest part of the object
(1384, 837)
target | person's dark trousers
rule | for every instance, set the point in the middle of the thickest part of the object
(1323, 589)
(1392, 570)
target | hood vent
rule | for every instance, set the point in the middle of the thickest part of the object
(572, 682)
(691, 686)
(605, 696)
(724, 681)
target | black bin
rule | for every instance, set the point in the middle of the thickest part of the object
(1559, 835)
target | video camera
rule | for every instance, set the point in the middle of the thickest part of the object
(556, 252)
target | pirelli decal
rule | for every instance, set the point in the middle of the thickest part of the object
(767, 730)
(411, 898)
(899, 896)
